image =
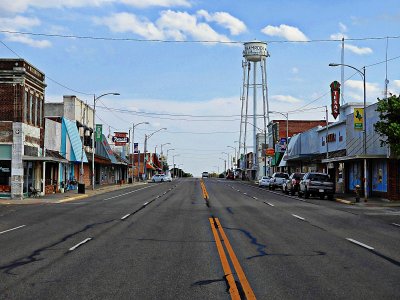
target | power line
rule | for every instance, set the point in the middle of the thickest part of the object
(90, 37)
(48, 77)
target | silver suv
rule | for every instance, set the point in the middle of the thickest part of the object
(316, 184)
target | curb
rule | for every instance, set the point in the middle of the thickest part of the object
(73, 198)
(344, 201)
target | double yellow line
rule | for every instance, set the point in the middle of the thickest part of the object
(220, 236)
(203, 188)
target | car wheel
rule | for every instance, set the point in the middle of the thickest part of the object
(306, 195)
(330, 197)
(322, 196)
(292, 192)
(162, 180)
(153, 180)
(270, 187)
(300, 194)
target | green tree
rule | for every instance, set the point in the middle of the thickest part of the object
(389, 124)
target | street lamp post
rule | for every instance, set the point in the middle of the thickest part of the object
(228, 157)
(133, 148)
(362, 73)
(234, 148)
(164, 145)
(224, 164)
(146, 137)
(173, 164)
(94, 124)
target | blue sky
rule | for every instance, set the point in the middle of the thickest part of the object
(200, 78)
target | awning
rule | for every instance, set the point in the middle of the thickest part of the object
(44, 158)
(149, 166)
(345, 158)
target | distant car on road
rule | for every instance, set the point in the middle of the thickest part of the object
(167, 177)
(292, 184)
(264, 181)
(316, 184)
(277, 180)
(204, 175)
(158, 178)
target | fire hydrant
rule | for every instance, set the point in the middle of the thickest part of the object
(358, 189)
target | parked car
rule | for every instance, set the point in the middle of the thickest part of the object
(167, 177)
(204, 175)
(158, 178)
(316, 184)
(277, 180)
(292, 184)
(264, 181)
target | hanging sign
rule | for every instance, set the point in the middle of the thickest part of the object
(99, 132)
(359, 118)
(335, 96)
(120, 138)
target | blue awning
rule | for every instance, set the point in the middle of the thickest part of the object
(76, 143)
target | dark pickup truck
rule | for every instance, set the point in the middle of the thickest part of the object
(316, 184)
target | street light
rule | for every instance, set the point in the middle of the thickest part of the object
(164, 145)
(94, 121)
(224, 164)
(234, 148)
(228, 157)
(146, 137)
(362, 73)
(173, 164)
(169, 150)
(133, 148)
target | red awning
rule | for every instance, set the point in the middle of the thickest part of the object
(149, 166)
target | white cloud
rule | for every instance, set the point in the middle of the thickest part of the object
(22, 23)
(126, 22)
(170, 24)
(162, 3)
(354, 90)
(338, 36)
(358, 50)
(290, 33)
(395, 87)
(285, 98)
(343, 27)
(234, 25)
(295, 70)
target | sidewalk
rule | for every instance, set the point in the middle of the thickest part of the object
(70, 195)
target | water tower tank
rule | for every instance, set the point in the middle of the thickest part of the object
(255, 51)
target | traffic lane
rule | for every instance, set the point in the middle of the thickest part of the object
(34, 246)
(286, 257)
(345, 223)
(166, 251)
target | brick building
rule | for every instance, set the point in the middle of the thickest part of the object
(22, 88)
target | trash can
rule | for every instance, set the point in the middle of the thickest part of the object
(81, 188)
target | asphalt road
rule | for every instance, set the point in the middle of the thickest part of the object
(165, 241)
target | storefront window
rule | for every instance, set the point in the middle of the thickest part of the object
(5, 172)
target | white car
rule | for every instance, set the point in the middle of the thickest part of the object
(158, 178)
(264, 181)
(167, 178)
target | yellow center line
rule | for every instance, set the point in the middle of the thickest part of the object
(239, 271)
(233, 291)
(204, 190)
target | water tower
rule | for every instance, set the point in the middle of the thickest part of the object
(255, 54)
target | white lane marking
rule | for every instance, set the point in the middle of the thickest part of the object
(79, 244)
(237, 190)
(145, 203)
(127, 193)
(164, 193)
(270, 204)
(124, 217)
(12, 229)
(298, 217)
(395, 224)
(244, 193)
(255, 198)
(360, 244)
